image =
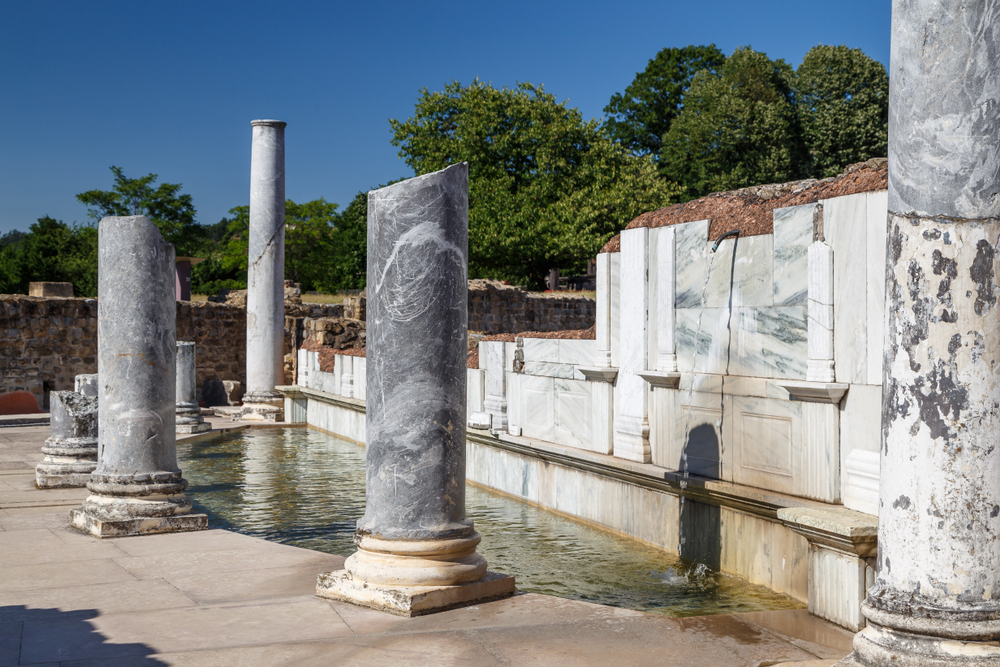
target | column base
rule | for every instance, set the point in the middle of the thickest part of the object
(140, 526)
(412, 600)
(194, 428)
(878, 646)
(63, 475)
(262, 412)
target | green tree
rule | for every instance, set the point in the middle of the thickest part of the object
(530, 158)
(843, 103)
(51, 251)
(172, 212)
(737, 128)
(640, 116)
(349, 258)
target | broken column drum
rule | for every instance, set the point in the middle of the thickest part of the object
(936, 598)
(71, 451)
(266, 273)
(137, 487)
(416, 548)
(189, 419)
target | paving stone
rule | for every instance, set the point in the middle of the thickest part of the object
(60, 575)
(109, 598)
(252, 583)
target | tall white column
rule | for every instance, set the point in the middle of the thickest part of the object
(631, 436)
(266, 273)
(936, 598)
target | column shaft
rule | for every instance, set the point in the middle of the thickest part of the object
(266, 268)
(189, 419)
(937, 593)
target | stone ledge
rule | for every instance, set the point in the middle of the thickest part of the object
(193, 428)
(129, 527)
(835, 527)
(412, 600)
(666, 379)
(814, 392)
(598, 374)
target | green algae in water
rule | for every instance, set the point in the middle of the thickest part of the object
(306, 488)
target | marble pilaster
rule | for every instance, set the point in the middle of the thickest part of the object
(631, 437)
(936, 594)
(266, 273)
(666, 345)
(495, 404)
(136, 487)
(602, 327)
(416, 548)
(820, 313)
(189, 419)
(71, 451)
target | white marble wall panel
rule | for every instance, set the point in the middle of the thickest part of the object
(652, 295)
(838, 583)
(508, 358)
(820, 313)
(614, 265)
(746, 281)
(302, 368)
(574, 417)
(576, 352)
(602, 319)
(346, 375)
(793, 232)
(338, 372)
(662, 298)
(538, 416)
(602, 440)
(692, 254)
(711, 328)
(764, 553)
(546, 369)
(861, 481)
(845, 226)
(515, 403)
(877, 216)
(820, 477)
(860, 442)
(475, 390)
(768, 437)
(696, 435)
(631, 425)
(296, 410)
(770, 343)
(343, 422)
(360, 378)
(541, 349)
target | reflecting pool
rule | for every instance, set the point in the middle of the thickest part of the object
(304, 487)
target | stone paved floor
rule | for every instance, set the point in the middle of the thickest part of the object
(220, 598)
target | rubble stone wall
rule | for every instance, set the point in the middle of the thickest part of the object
(495, 308)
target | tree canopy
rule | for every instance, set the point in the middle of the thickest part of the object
(546, 188)
(843, 102)
(51, 251)
(640, 116)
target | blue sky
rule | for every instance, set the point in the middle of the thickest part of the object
(171, 87)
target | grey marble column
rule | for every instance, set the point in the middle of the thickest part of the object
(414, 538)
(71, 451)
(266, 273)
(189, 419)
(137, 487)
(936, 598)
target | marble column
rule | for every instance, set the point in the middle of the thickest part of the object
(137, 487)
(631, 434)
(936, 597)
(819, 366)
(189, 419)
(71, 450)
(416, 548)
(266, 273)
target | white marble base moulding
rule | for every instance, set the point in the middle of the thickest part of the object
(140, 526)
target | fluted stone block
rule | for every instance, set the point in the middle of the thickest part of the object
(189, 419)
(266, 273)
(414, 535)
(71, 451)
(137, 486)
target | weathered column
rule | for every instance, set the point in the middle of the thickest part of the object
(416, 548)
(936, 598)
(189, 419)
(137, 487)
(71, 450)
(266, 273)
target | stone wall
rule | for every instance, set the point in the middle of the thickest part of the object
(495, 307)
(46, 342)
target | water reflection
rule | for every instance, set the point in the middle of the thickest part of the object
(303, 487)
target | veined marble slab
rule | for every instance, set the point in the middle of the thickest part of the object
(576, 352)
(614, 266)
(770, 343)
(574, 413)
(538, 407)
(746, 280)
(361, 378)
(793, 232)
(551, 370)
(877, 214)
(711, 327)
(692, 251)
(845, 226)
(541, 349)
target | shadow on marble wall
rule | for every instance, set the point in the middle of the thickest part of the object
(700, 530)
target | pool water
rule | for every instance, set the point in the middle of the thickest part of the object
(306, 488)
